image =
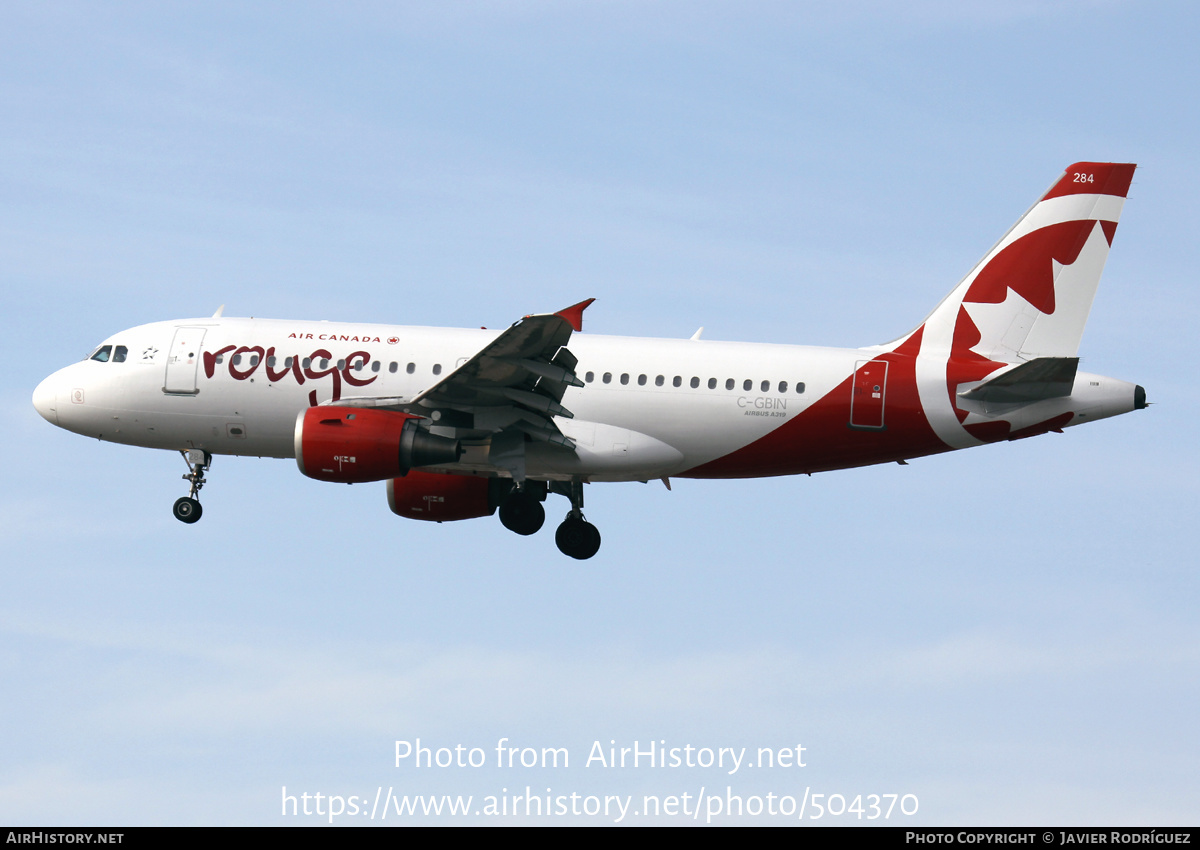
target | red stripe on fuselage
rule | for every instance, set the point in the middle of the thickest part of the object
(966, 365)
(820, 438)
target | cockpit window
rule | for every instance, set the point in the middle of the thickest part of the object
(119, 354)
(102, 353)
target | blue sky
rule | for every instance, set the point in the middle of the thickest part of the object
(1008, 633)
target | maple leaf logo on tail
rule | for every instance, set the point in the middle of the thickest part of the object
(1030, 296)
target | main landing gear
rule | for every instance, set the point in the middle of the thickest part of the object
(523, 513)
(187, 509)
(576, 537)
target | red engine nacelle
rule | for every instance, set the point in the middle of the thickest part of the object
(442, 498)
(351, 445)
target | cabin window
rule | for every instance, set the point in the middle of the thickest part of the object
(102, 354)
(624, 378)
(306, 362)
(341, 365)
(437, 368)
(677, 381)
(253, 359)
(783, 386)
(747, 385)
(589, 377)
(375, 366)
(659, 381)
(712, 383)
(393, 367)
(641, 380)
(287, 363)
(799, 387)
(765, 386)
(410, 368)
(695, 382)
(607, 378)
(271, 361)
(237, 360)
(729, 383)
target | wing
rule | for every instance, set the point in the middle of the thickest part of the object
(509, 391)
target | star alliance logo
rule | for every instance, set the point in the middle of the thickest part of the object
(149, 353)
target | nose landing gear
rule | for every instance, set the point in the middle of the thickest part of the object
(187, 509)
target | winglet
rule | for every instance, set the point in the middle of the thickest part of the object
(574, 313)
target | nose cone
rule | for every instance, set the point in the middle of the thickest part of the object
(45, 400)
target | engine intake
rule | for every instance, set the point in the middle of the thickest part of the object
(350, 445)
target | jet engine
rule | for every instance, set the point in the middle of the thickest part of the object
(441, 498)
(350, 445)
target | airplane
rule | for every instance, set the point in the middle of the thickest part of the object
(462, 423)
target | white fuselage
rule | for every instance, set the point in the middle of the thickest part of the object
(649, 408)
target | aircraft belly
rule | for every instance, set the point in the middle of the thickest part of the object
(696, 427)
(139, 413)
(603, 453)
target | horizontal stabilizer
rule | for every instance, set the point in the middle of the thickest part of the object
(1043, 378)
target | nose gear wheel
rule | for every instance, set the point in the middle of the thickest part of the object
(187, 509)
